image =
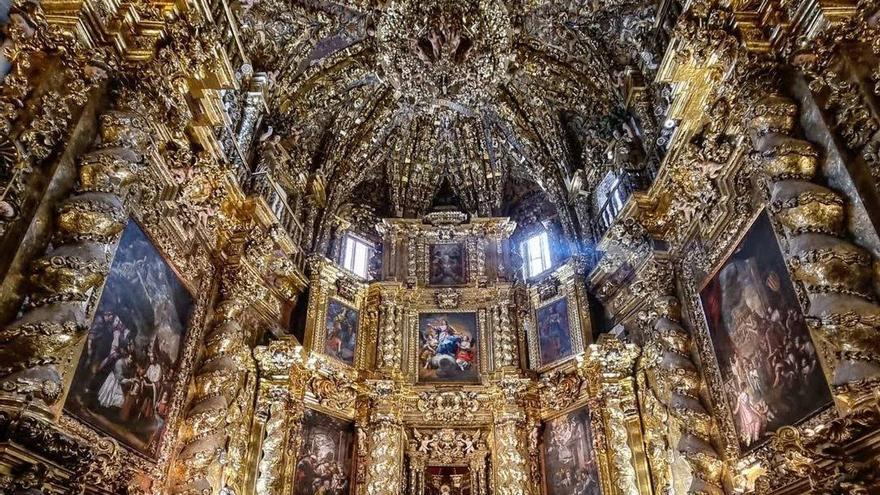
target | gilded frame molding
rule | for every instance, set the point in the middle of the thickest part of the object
(166, 241)
(329, 282)
(759, 458)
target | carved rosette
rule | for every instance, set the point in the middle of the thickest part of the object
(39, 347)
(836, 275)
(673, 385)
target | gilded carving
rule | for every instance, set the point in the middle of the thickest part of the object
(448, 406)
(38, 345)
(246, 136)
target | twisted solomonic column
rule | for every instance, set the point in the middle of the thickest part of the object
(837, 275)
(673, 379)
(40, 349)
(219, 389)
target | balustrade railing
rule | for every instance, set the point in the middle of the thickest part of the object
(264, 185)
(628, 182)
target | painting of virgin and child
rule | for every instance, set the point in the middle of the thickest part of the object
(765, 356)
(448, 347)
(324, 463)
(123, 382)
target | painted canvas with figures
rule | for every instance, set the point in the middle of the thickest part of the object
(767, 360)
(449, 347)
(125, 378)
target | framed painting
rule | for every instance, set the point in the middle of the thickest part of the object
(570, 462)
(125, 376)
(554, 332)
(340, 331)
(448, 347)
(326, 455)
(446, 265)
(767, 362)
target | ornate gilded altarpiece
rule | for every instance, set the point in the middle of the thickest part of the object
(409, 430)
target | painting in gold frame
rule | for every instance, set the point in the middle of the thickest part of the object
(446, 265)
(571, 465)
(766, 359)
(553, 330)
(124, 380)
(324, 464)
(341, 331)
(449, 347)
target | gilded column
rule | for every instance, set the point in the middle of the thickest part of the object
(38, 350)
(385, 442)
(389, 351)
(504, 338)
(203, 461)
(509, 437)
(673, 383)
(837, 275)
(280, 410)
(610, 370)
(478, 474)
(417, 466)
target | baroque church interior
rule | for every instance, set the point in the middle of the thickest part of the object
(440, 247)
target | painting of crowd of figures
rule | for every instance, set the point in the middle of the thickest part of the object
(123, 383)
(767, 360)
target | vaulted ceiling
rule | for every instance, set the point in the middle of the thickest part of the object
(406, 94)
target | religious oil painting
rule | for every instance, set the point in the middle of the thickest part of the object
(123, 383)
(448, 480)
(340, 331)
(447, 265)
(570, 464)
(324, 464)
(448, 350)
(554, 333)
(768, 365)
